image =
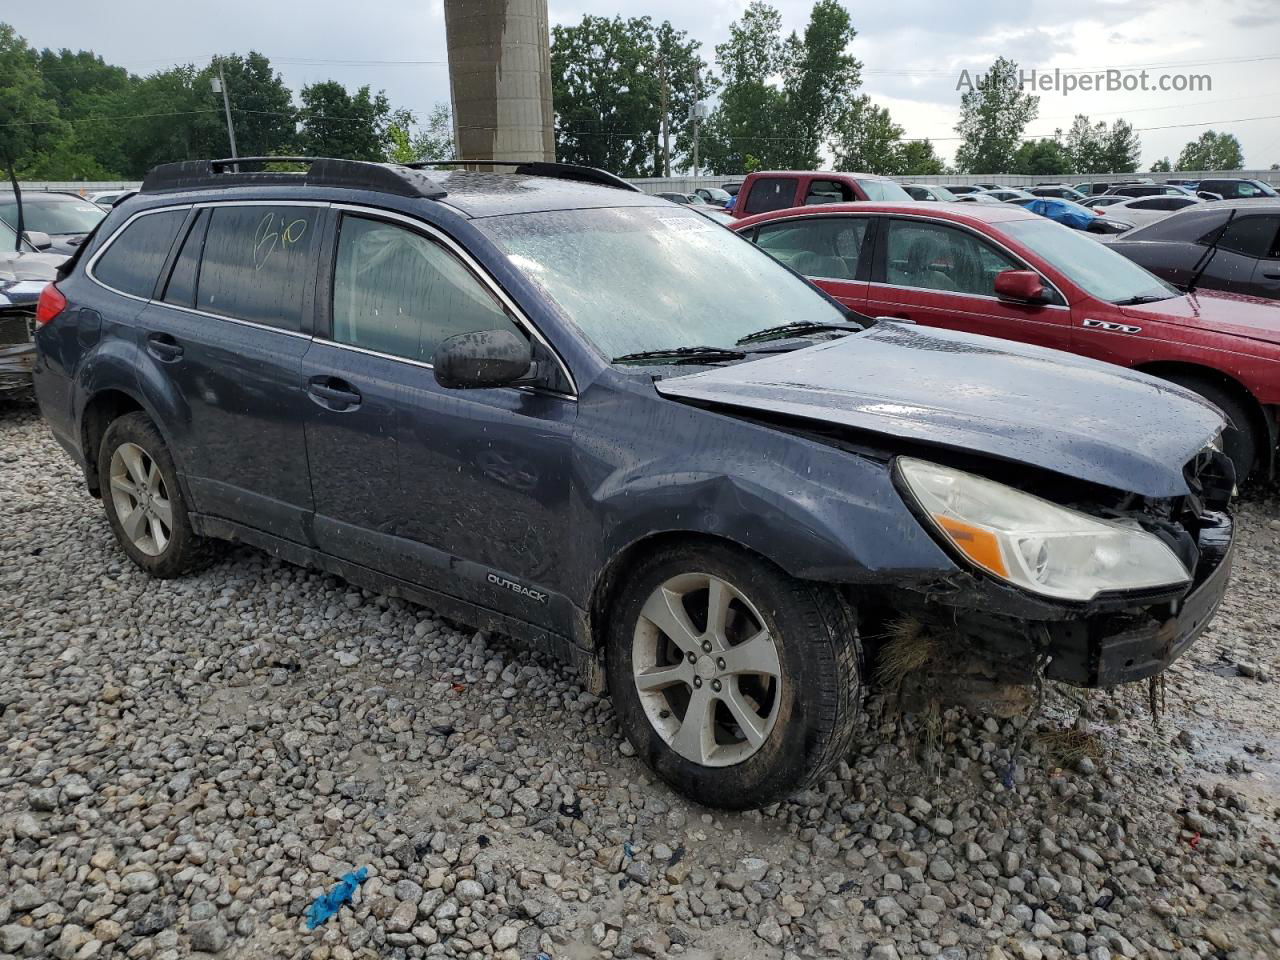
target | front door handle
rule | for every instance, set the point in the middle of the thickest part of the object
(163, 347)
(333, 393)
(1272, 276)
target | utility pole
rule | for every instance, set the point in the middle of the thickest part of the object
(666, 122)
(220, 86)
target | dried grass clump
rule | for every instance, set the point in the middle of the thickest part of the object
(908, 647)
(1069, 747)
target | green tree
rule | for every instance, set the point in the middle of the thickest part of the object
(336, 123)
(918, 159)
(750, 116)
(867, 139)
(1121, 148)
(1212, 151)
(1042, 157)
(435, 141)
(1085, 144)
(607, 78)
(29, 118)
(994, 112)
(261, 107)
(819, 78)
(1162, 166)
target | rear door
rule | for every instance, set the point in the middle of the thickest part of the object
(833, 251)
(1248, 256)
(943, 275)
(227, 331)
(461, 491)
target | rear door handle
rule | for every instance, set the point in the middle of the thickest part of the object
(1272, 276)
(164, 347)
(333, 393)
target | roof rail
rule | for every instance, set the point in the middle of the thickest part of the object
(541, 168)
(391, 178)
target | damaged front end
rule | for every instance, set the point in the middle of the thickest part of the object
(17, 336)
(987, 632)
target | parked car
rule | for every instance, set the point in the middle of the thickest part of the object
(1150, 190)
(991, 186)
(1005, 272)
(1245, 258)
(713, 196)
(928, 191)
(732, 188)
(1099, 203)
(1058, 190)
(109, 198)
(777, 190)
(1139, 211)
(978, 196)
(550, 405)
(960, 189)
(1010, 193)
(1231, 188)
(66, 218)
(1074, 215)
(24, 273)
(1094, 187)
(1189, 184)
(684, 198)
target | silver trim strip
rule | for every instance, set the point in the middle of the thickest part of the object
(477, 270)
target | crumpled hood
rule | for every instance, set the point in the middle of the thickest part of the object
(1233, 313)
(1054, 410)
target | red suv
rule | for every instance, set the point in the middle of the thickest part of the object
(1006, 272)
(780, 189)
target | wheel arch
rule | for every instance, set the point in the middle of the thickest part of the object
(100, 411)
(1263, 426)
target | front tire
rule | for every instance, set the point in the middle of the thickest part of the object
(735, 682)
(143, 499)
(1239, 441)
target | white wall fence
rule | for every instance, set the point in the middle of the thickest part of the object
(687, 184)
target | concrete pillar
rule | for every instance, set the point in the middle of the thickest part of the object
(500, 77)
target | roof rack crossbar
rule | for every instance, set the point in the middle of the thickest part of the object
(541, 168)
(391, 178)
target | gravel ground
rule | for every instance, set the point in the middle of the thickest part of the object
(186, 765)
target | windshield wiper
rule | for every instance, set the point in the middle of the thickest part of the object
(797, 328)
(1141, 298)
(683, 355)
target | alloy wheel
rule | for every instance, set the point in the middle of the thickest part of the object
(141, 499)
(706, 669)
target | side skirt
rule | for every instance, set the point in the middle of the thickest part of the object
(482, 618)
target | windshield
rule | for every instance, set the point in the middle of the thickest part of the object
(1090, 265)
(8, 239)
(52, 214)
(635, 279)
(883, 190)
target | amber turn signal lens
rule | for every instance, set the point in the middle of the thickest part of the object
(975, 543)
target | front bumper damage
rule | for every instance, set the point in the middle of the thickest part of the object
(1114, 639)
(17, 346)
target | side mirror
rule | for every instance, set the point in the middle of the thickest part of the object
(1021, 286)
(485, 358)
(38, 239)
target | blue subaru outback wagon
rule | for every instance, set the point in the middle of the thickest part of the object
(544, 403)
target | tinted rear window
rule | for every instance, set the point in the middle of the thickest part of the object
(771, 193)
(257, 263)
(132, 262)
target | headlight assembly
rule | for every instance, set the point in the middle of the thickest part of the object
(1032, 543)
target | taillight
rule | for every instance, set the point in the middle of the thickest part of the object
(51, 303)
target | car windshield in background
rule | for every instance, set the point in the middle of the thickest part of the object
(883, 190)
(635, 279)
(54, 214)
(1099, 271)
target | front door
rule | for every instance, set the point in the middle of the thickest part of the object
(940, 275)
(462, 491)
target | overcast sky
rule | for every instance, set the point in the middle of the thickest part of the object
(912, 51)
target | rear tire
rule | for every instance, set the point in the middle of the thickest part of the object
(784, 663)
(1239, 441)
(143, 499)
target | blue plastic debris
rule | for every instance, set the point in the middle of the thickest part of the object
(327, 904)
(627, 850)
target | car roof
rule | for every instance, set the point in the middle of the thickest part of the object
(946, 210)
(818, 173)
(36, 196)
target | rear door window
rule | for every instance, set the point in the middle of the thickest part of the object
(771, 193)
(824, 248)
(181, 288)
(828, 191)
(400, 293)
(257, 263)
(132, 261)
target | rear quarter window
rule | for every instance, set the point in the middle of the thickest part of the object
(133, 259)
(771, 193)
